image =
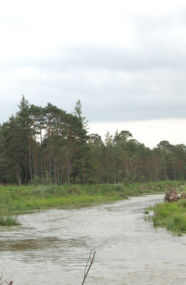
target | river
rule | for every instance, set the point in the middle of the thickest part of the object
(51, 247)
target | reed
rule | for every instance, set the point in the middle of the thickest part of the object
(9, 221)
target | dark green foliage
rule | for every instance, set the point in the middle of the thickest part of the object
(120, 187)
(50, 146)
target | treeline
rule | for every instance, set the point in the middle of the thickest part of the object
(49, 145)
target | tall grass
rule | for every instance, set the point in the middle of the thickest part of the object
(171, 215)
(14, 199)
(9, 221)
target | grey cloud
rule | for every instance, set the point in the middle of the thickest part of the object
(157, 42)
(146, 81)
(149, 54)
(142, 97)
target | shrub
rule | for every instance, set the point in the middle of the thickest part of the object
(119, 187)
(9, 221)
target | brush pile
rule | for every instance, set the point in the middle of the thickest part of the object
(172, 195)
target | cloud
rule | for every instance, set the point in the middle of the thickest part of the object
(148, 132)
(135, 70)
(105, 95)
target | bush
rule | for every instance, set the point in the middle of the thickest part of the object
(119, 187)
(126, 182)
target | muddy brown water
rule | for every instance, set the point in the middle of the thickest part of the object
(52, 247)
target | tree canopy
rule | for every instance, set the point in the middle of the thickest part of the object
(49, 144)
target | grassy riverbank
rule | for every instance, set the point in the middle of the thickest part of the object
(171, 215)
(15, 199)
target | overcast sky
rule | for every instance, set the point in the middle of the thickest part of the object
(125, 61)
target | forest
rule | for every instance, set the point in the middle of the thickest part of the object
(48, 145)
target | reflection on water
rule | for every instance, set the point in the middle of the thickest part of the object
(52, 247)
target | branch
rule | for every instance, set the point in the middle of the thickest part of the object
(11, 282)
(91, 260)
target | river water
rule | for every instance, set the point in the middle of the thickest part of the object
(52, 247)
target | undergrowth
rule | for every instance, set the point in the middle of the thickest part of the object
(9, 221)
(16, 199)
(172, 216)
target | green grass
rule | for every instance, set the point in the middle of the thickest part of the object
(146, 212)
(9, 221)
(171, 215)
(15, 199)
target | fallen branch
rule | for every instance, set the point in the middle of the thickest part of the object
(10, 283)
(89, 262)
(0, 279)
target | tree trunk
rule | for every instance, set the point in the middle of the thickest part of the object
(68, 169)
(30, 159)
(41, 153)
(55, 174)
(58, 182)
(18, 173)
(107, 165)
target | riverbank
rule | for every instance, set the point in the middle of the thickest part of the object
(171, 215)
(16, 199)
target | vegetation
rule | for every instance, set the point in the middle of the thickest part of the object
(48, 145)
(9, 221)
(171, 215)
(50, 152)
(17, 199)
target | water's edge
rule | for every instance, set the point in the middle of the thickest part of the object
(51, 247)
